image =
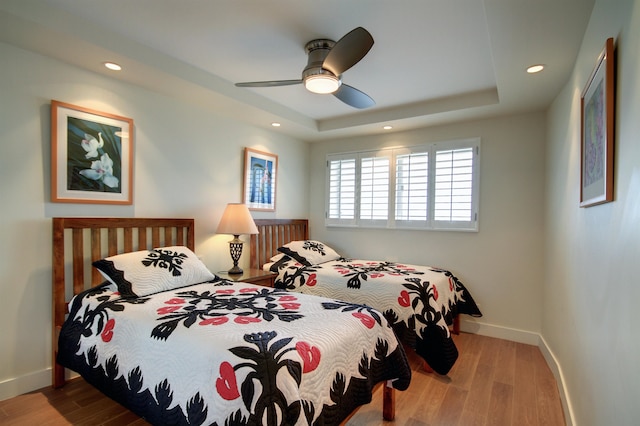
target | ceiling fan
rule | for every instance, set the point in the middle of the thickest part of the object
(327, 61)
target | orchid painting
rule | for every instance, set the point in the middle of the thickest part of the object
(94, 156)
(91, 156)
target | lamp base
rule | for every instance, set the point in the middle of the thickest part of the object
(235, 247)
(235, 270)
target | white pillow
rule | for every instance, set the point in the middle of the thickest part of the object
(309, 252)
(145, 272)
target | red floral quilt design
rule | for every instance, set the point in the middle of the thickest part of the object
(223, 353)
(419, 301)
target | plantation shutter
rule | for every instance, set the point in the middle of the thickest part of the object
(374, 188)
(454, 187)
(412, 186)
(342, 189)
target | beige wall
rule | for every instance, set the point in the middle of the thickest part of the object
(188, 163)
(592, 286)
(502, 263)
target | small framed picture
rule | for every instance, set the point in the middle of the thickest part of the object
(260, 173)
(91, 156)
(597, 121)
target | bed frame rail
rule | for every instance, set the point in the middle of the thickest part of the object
(91, 239)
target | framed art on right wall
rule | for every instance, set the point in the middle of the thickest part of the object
(597, 135)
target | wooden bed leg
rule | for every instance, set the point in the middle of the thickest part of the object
(57, 378)
(426, 366)
(456, 325)
(388, 401)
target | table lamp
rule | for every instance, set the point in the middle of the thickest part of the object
(236, 220)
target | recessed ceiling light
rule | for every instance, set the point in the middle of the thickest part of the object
(535, 68)
(274, 124)
(112, 66)
(388, 127)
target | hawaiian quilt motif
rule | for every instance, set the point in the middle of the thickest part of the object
(309, 252)
(166, 259)
(224, 353)
(419, 301)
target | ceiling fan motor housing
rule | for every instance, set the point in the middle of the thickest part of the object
(317, 50)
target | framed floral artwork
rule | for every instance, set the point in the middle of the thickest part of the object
(597, 124)
(91, 156)
(260, 173)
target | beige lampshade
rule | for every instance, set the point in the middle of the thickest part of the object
(236, 220)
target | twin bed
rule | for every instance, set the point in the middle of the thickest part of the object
(420, 302)
(152, 328)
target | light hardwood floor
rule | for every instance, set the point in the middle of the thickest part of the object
(494, 382)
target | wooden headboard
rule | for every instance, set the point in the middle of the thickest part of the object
(77, 242)
(275, 233)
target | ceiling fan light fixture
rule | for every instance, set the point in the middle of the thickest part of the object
(322, 83)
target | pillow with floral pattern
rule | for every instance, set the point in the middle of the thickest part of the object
(309, 252)
(145, 272)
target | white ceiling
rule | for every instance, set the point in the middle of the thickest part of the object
(433, 61)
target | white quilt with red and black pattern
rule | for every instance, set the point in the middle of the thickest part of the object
(222, 353)
(419, 301)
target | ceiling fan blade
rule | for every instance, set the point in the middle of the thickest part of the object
(348, 51)
(273, 83)
(353, 97)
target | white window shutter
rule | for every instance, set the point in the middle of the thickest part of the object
(374, 188)
(412, 187)
(341, 202)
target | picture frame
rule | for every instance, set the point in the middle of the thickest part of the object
(260, 178)
(597, 131)
(91, 156)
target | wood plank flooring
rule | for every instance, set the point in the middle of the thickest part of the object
(494, 382)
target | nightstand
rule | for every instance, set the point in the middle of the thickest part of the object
(253, 276)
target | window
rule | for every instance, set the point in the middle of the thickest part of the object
(427, 187)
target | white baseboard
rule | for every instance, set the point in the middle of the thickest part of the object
(30, 382)
(529, 338)
(552, 362)
(512, 334)
(23, 384)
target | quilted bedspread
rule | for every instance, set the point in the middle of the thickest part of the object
(419, 301)
(222, 353)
